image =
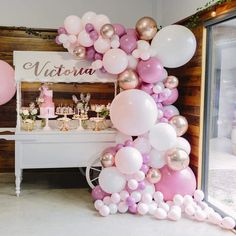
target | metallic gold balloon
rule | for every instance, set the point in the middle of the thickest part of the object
(107, 31)
(107, 159)
(80, 52)
(153, 176)
(177, 159)
(146, 28)
(180, 124)
(171, 82)
(128, 79)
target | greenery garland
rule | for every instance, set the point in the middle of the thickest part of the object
(195, 19)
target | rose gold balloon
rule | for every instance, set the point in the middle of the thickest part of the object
(107, 31)
(146, 28)
(80, 52)
(128, 79)
(107, 159)
(180, 124)
(177, 159)
(153, 176)
(171, 82)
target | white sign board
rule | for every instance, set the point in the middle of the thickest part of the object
(36, 66)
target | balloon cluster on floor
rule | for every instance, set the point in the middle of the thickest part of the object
(149, 174)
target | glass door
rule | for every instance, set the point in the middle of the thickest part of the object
(219, 144)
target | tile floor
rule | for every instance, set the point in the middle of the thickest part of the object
(42, 210)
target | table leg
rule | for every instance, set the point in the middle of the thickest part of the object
(18, 182)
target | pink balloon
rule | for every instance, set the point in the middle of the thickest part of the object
(98, 193)
(61, 30)
(170, 111)
(150, 71)
(90, 53)
(128, 43)
(172, 98)
(115, 61)
(147, 88)
(132, 32)
(84, 39)
(119, 29)
(7, 82)
(176, 182)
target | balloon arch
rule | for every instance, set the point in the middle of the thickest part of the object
(149, 174)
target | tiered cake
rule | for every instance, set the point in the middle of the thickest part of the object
(47, 107)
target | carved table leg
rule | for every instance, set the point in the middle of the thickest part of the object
(18, 182)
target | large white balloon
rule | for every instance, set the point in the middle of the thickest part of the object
(111, 180)
(175, 45)
(128, 160)
(157, 159)
(163, 137)
(88, 17)
(99, 21)
(133, 112)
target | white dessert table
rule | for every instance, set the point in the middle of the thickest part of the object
(56, 149)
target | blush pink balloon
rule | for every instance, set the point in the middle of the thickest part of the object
(176, 182)
(151, 70)
(172, 98)
(128, 43)
(98, 193)
(147, 88)
(7, 82)
(119, 29)
(90, 53)
(132, 32)
(170, 111)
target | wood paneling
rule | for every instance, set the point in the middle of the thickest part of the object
(191, 78)
(12, 39)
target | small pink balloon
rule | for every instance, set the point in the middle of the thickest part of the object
(57, 40)
(176, 182)
(61, 30)
(90, 53)
(155, 97)
(172, 98)
(129, 143)
(170, 111)
(89, 28)
(147, 88)
(141, 185)
(132, 32)
(98, 56)
(98, 193)
(133, 209)
(144, 168)
(119, 29)
(7, 82)
(111, 150)
(93, 35)
(118, 147)
(128, 43)
(146, 158)
(151, 70)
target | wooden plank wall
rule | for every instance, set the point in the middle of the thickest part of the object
(17, 39)
(191, 85)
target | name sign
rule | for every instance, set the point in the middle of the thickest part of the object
(34, 66)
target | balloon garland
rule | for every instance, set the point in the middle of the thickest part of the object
(148, 175)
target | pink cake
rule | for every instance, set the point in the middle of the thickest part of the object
(47, 108)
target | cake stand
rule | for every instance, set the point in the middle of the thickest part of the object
(47, 117)
(65, 126)
(80, 119)
(65, 114)
(97, 120)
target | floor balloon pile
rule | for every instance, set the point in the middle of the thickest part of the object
(149, 174)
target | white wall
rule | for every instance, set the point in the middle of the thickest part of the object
(51, 13)
(175, 10)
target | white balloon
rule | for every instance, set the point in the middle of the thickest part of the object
(147, 198)
(102, 45)
(72, 38)
(183, 143)
(142, 208)
(139, 176)
(115, 43)
(111, 180)
(133, 184)
(175, 45)
(107, 200)
(136, 195)
(145, 55)
(73, 24)
(122, 207)
(227, 223)
(115, 198)
(189, 210)
(121, 138)
(128, 160)
(63, 38)
(104, 211)
(158, 197)
(142, 44)
(200, 215)
(98, 204)
(188, 200)
(84, 39)
(113, 208)
(198, 195)
(157, 159)
(214, 218)
(152, 208)
(133, 112)
(143, 145)
(123, 195)
(99, 21)
(160, 214)
(178, 200)
(174, 214)
(88, 17)
(158, 88)
(164, 206)
(163, 137)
